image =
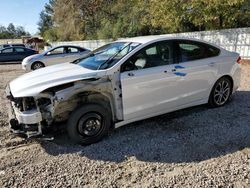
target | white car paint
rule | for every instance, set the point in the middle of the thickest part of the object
(51, 59)
(146, 92)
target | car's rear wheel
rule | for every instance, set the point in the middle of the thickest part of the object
(37, 65)
(89, 124)
(221, 92)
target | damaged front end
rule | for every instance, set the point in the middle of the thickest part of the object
(24, 116)
(28, 115)
(32, 115)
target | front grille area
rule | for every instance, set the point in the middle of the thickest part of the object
(24, 104)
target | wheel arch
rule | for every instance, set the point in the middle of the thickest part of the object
(224, 76)
(228, 77)
(104, 99)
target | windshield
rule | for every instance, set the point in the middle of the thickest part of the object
(106, 56)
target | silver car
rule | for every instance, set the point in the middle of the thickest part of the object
(56, 55)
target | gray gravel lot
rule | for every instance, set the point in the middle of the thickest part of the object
(195, 147)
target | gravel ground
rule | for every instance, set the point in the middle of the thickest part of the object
(195, 147)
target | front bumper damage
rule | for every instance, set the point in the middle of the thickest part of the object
(25, 121)
(41, 113)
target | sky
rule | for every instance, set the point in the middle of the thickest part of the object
(21, 13)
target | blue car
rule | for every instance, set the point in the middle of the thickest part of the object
(15, 53)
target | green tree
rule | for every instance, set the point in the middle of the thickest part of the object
(12, 32)
(46, 24)
(92, 19)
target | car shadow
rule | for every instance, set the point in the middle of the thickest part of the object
(10, 62)
(190, 135)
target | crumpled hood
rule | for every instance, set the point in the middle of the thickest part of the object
(31, 84)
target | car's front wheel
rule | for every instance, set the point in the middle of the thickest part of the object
(37, 65)
(221, 92)
(89, 124)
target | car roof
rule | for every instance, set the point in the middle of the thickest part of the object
(74, 46)
(155, 38)
(17, 44)
(68, 46)
(13, 44)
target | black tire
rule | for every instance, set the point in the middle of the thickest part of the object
(37, 65)
(214, 98)
(77, 126)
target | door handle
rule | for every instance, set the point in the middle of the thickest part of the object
(173, 70)
(130, 74)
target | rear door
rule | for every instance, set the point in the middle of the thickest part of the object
(20, 53)
(73, 53)
(197, 61)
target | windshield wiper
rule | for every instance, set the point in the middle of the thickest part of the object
(108, 61)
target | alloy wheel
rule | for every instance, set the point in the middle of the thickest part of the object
(222, 92)
(37, 66)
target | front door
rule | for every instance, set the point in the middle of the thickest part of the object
(7, 55)
(56, 56)
(149, 87)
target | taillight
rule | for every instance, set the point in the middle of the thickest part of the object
(239, 60)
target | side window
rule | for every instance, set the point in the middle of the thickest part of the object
(6, 46)
(192, 50)
(8, 50)
(81, 49)
(55, 51)
(157, 54)
(212, 51)
(72, 50)
(19, 49)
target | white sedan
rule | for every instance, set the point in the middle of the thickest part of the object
(58, 54)
(122, 82)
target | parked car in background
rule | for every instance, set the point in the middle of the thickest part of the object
(15, 53)
(56, 55)
(11, 45)
(122, 82)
